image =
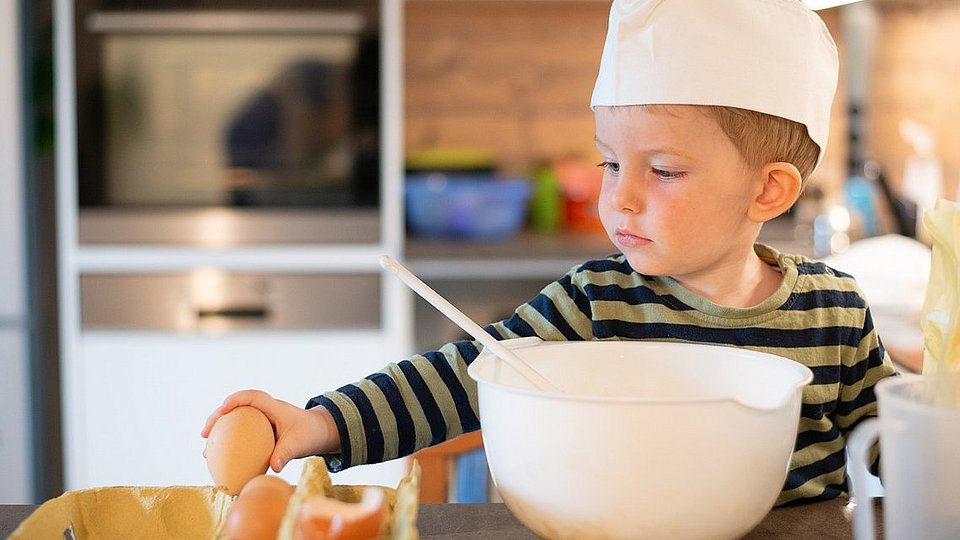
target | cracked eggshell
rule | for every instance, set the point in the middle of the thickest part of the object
(326, 518)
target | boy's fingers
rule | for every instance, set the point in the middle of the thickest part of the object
(212, 419)
(237, 399)
(278, 461)
(208, 425)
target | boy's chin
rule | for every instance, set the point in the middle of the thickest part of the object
(643, 265)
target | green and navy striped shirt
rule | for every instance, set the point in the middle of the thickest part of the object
(817, 317)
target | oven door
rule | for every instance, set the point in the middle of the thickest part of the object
(221, 128)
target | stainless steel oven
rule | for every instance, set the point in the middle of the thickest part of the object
(228, 122)
(228, 175)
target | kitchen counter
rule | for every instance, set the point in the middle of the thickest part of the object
(528, 255)
(821, 521)
(827, 520)
(536, 255)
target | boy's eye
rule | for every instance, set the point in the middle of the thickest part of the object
(667, 175)
(611, 166)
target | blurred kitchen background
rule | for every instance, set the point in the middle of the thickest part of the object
(141, 279)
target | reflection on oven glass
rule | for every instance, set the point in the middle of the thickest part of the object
(222, 123)
(228, 120)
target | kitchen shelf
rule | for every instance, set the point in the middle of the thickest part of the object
(527, 255)
(533, 255)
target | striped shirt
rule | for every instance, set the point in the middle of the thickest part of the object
(817, 317)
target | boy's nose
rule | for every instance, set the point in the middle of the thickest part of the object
(627, 196)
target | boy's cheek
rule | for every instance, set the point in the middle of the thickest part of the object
(608, 217)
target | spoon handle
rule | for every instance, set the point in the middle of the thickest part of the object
(467, 324)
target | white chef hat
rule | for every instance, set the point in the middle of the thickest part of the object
(770, 56)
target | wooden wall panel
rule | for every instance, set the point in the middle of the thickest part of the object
(512, 77)
(916, 75)
(515, 77)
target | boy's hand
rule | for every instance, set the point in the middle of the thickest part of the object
(299, 432)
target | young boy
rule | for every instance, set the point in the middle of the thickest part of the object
(709, 118)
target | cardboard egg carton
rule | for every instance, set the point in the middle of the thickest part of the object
(185, 512)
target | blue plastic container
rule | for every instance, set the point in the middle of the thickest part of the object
(478, 207)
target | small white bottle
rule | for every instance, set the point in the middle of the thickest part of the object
(922, 172)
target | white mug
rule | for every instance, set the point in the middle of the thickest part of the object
(920, 461)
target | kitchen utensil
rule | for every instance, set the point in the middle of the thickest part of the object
(648, 439)
(467, 324)
(919, 443)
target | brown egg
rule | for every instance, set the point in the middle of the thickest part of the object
(238, 448)
(323, 518)
(258, 511)
(268, 481)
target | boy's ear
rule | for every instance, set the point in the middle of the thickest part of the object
(778, 188)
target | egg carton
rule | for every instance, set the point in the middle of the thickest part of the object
(188, 512)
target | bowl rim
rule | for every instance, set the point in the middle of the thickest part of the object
(803, 374)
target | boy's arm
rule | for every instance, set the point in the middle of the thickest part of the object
(859, 376)
(404, 407)
(430, 398)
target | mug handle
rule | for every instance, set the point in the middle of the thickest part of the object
(858, 448)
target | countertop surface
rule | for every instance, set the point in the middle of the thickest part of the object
(543, 255)
(821, 521)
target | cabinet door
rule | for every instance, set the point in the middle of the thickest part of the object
(11, 168)
(147, 396)
(16, 464)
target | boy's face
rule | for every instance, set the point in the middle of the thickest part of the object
(675, 192)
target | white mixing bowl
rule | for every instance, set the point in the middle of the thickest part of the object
(647, 440)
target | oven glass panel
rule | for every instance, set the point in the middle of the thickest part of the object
(229, 108)
(267, 118)
(239, 120)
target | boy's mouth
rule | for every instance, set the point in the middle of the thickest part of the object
(628, 239)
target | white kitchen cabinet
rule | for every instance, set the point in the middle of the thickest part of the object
(16, 456)
(134, 401)
(11, 171)
(147, 395)
(16, 462)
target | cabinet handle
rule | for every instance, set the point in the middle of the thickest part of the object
(235, 312)
(226, 22)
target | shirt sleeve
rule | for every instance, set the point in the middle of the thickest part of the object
(406, 406)
(857, 401)
(429, 398)
(860, 372)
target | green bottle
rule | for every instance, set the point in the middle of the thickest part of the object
(545, 204)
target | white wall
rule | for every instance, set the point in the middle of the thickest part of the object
(15, 462)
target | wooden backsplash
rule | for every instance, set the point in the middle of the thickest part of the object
(915, 74)
(515, 78)
(512, 77)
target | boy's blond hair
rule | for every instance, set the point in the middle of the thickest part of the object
(759, 137)
(764, 138)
